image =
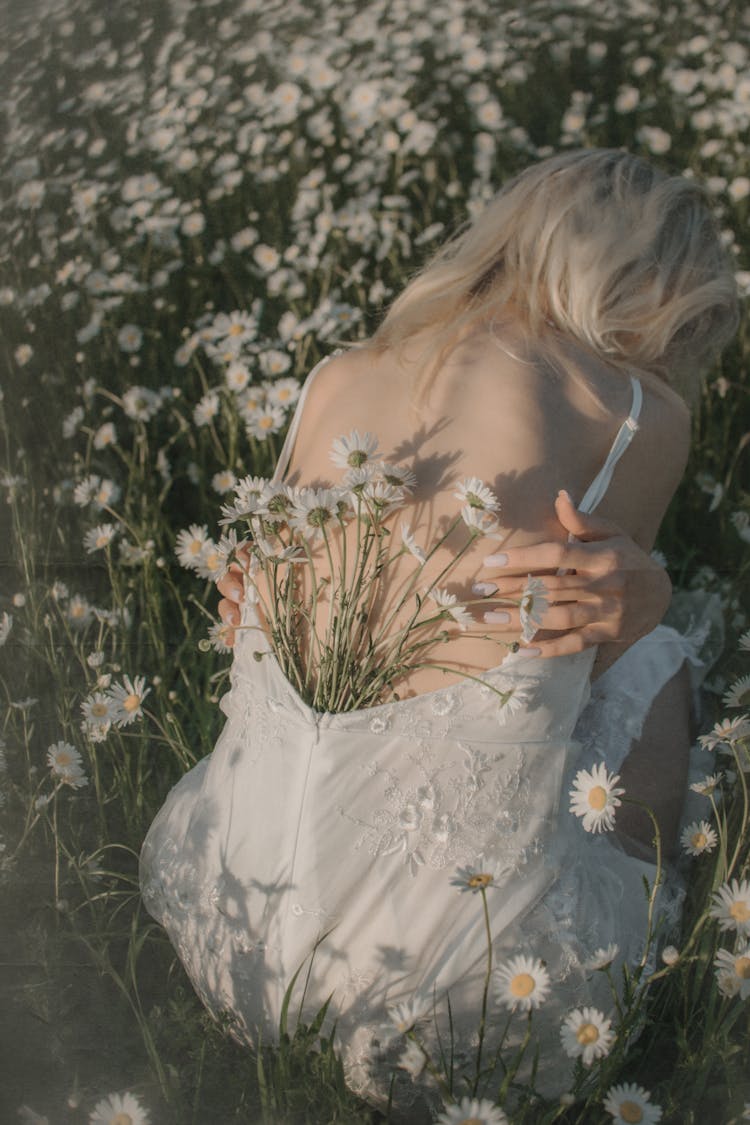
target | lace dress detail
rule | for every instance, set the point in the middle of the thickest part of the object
(340, 834)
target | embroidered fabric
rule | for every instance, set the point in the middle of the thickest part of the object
(332, 839)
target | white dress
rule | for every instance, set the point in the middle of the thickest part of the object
(346, 830)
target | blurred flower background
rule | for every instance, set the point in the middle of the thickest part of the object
(198, 198)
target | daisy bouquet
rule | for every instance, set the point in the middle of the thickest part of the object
(319, 562)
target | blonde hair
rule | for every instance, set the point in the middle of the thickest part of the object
(597, 243)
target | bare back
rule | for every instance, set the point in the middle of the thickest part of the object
(525, 428)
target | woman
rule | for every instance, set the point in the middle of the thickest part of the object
(541, 347)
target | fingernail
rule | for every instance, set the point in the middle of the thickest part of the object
(500, 559)
(565, 494)
(496, 617)
(530, 651)
(484, 589)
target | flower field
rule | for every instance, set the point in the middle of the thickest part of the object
(198, 200)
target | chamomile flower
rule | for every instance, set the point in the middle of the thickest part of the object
(738, 694)
(382, 498)
(474, 493)
(397, 475)
(595, 797)
(352, 450)
(628, 1103)
(449, 604)
(411, 544)
(190, 545)
(698, 837)
(470, 879)
(726, 732)
(265, 421)
(119, 1109)
(587, 1034)
(733, 972)
(709, 784)
(99, 537)
(66, 763)
(534, 603)
(98, 708)
(601, 959)
(522, 983)
(744, 642)
(731, 906)
(481, 521)
(217, 636)
(127, 699)
(407, 1013)
(314, 510)
(472, 1111)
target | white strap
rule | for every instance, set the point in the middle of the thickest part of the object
(600, 483)
(287, 448)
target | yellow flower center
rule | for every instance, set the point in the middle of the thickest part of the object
(479, 880)
(587, 1033)
(265, 423)
(131, 702)
(523, 984)
(699, 840)
(77, 611)
(121, 1119)
(282, 395)
(102, 540)
(63, 758)
(236, 330)
(740, 911)
(470, 1121)
(212, 561)
(99, 710)
(742, 968)
(631, 1111)
(597, 797)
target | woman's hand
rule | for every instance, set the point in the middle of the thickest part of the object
(610, 591)
(232, 586)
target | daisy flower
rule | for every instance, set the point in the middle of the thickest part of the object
(587, 1034)
(512, 700)
(412, 1060)
(733, 972)
(251, 494)
(698, 837)
(709, 784)
(534, 602)
(263, 422)
(397, 475)
(99, 537)
(448, 603)
(190, 545)
(382, 497)
(314, 508)
(85, 490)
(738, 694)
(352, 450)
(474, 493)
(98, 708)
(744, 642)
(127, 699)
(595, 797)
(602, 958)
(522, 983)
(284, 392)
(211, 563)
(217, 637)
(66, 763)
(223, 481)
(726, 732)
(472, 1111)
(410, 543)
(469, 879)
(119, 1109)
(629, 1103)
(407, 1013)
(481, 521)
(731, 906)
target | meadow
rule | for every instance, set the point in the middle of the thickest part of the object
(198, 199)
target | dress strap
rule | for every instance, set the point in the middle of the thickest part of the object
(288, 447)
(600, 483)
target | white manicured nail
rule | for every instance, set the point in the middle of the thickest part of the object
(496, 617)
(500, 559)
(484, 589)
